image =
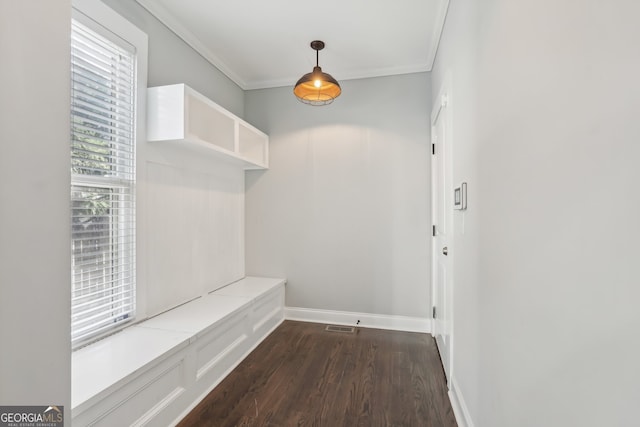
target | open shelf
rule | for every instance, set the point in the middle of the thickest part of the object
(180, 114)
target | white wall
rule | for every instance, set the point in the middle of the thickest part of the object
(343, 213)
(172, 61)
(35, 356)
(190, 205)
(545, 99)
(191, 225)
(35, 296)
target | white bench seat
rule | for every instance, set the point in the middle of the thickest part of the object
(197, 316)
(155, 372)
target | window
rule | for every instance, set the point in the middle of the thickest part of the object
(103, 171)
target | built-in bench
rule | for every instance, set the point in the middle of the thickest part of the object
(155, 372)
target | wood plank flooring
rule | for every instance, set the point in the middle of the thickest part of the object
(302, 375)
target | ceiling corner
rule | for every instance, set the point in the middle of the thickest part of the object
(162, 15)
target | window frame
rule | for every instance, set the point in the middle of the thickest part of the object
(103, 20)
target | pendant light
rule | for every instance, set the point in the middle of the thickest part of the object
(316, 87)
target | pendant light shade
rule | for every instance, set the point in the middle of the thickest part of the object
(317, 87)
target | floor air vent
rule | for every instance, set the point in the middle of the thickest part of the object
(337, 328)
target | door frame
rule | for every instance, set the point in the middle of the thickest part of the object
(442, 105)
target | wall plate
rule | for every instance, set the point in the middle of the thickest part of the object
(460, 197)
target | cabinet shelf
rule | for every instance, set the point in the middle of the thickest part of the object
(177, 113)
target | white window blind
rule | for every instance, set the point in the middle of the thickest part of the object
(102, 184)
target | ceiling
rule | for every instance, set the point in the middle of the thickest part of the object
(265, 43)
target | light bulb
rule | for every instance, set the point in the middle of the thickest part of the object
(317, 83)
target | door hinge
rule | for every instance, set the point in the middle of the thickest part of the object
(433, 230)
(433, 148)
(434, 311)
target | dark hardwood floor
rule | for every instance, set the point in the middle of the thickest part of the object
(302, 375)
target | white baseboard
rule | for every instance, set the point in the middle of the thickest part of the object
(367, 320)
(460, 409)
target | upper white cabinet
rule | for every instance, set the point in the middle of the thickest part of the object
(179, 113)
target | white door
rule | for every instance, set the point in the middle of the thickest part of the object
(442, 213)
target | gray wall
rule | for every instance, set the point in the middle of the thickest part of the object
(545, 100)
(344, 213)
(35, 296)
(172, 61)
